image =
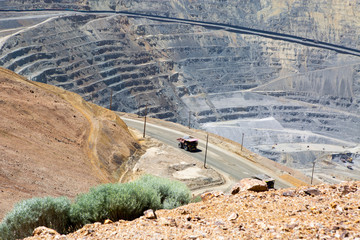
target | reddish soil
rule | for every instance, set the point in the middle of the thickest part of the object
(52, 143)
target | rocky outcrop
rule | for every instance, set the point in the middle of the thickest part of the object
(249, 184)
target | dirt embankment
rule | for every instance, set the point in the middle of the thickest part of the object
(53, 143)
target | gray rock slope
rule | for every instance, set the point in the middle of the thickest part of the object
(272, 90)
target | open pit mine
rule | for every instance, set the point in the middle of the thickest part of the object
(283, 74)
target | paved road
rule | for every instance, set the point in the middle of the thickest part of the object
(214, 25)
(228, 163)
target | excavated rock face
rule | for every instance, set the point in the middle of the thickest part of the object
(272, 89)
(331, 21)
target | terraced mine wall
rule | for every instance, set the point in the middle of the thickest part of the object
(274, 89)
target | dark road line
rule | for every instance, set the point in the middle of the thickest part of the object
(220, 26)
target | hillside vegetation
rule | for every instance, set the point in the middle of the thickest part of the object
(103, 203)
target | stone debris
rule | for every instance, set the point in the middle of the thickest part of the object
(246, 215)
(168, 222)
(209, 195)
(233, 216)
(150, 214)
(289, 194)
(312, 191)
(183, 211)
(108, 221)
(347, 189)
(44, 231)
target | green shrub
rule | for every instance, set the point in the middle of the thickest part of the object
(113, 201)
(109, 201)
(4, 232)
(127, 201)
(172, 193)
(32, 213)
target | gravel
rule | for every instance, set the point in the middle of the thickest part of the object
(322, 211)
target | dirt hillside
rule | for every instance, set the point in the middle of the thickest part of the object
(53, 143)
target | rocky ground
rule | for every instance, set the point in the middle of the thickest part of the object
(321, 212)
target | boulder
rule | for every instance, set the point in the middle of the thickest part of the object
(249, 184)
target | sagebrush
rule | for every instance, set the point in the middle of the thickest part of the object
(109, 201)
(172, 194)
(113, 201)
(29, 214)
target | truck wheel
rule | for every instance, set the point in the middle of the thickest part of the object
(180, 145)
(186, 148)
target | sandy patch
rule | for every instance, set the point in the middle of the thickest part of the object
(189, 173)
(173, 163)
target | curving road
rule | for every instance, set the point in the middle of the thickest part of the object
(226, 27)
(226, 162)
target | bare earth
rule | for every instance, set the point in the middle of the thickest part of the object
(52, 143)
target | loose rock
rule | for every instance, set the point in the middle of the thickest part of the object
(107, 221)
(209, 195)
(43, 231)
(312, 191)
(150, 214)
(233, 216)
(249, 184)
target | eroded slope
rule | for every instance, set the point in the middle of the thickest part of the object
(53, 143)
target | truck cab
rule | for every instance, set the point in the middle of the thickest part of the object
(188, 143)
